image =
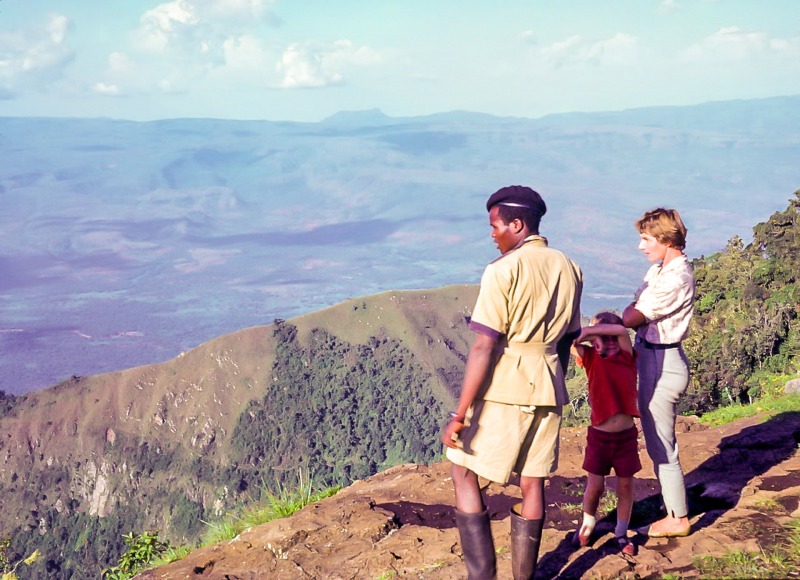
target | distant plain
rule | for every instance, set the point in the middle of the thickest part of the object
(125, 243)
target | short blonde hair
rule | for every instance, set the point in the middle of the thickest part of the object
(665, 225)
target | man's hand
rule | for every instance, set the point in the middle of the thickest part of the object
(450, 433)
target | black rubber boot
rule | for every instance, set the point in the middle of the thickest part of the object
(525, 538)
(477, 545)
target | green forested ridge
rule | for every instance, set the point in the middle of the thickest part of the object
(339, 411)
(745, 326)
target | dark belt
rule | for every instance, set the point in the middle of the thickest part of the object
(654, 346)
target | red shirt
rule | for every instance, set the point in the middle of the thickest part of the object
(612, 384)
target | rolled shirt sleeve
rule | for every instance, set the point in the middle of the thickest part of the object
(490, 315)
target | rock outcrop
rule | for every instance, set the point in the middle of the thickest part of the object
(743, 481)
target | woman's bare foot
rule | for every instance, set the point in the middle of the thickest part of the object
(670, 527)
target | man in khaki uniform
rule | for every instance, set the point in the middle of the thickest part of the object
(509, 411)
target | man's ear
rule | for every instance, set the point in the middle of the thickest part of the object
(517, 225)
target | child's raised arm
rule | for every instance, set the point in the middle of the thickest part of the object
(604, 329)
(576, 348)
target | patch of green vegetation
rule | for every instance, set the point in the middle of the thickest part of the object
(9, 570)
(142, 550)
(780, 561)
(767, 504)
(272, 506)
(571, 508)
(8, 402)
(171, 554)
(770, 405)
(745, 325)
(608, 503)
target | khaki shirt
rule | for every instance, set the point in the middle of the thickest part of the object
(529, 299)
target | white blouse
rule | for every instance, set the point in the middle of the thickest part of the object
(666, 299)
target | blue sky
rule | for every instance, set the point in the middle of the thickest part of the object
(305, 60)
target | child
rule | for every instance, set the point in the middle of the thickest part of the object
(610, 365)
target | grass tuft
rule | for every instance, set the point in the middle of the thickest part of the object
(771, 404)
(277, 505)
(780, 561)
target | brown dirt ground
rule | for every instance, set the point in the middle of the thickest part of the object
(743, 481)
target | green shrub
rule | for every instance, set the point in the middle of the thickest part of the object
(142, 550)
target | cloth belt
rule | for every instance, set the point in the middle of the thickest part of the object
(530, 348)
(654, 346)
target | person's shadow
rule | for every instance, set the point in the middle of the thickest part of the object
(712, 488)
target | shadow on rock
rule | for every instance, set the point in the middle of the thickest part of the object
(551, 565)
(716, 485)
(439, 516)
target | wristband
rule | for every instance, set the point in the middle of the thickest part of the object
(456, 417)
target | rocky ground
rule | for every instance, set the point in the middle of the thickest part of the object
(743, 481)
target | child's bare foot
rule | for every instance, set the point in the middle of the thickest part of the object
(669, 527)
(582, 535)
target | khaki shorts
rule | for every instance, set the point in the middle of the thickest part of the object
(498, 439)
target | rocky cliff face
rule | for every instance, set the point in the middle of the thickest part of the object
(743, 480)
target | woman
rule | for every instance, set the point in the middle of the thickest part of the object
(660, 314)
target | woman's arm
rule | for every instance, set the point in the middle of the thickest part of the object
(632, 318)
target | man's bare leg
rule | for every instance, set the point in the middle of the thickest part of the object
(532, 497)
(468, 493)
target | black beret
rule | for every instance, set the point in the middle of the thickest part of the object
(517, 196)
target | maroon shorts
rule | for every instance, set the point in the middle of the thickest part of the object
(619, 450)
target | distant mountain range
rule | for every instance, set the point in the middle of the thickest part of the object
(125, 243)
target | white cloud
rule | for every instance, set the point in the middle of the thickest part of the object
(529, 37)
(182, 44)
(32, 59)
(124, 76)
(202, 25)
(165, 24)
(106, 89)
(668, 7)
(58, 26)
(302, 66)
(575, 51)
(311, 65)
(733, 44)
(245, 52)
(241, 10)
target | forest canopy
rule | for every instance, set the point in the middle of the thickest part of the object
(745, 325)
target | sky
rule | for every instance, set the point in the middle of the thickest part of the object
(304, 60)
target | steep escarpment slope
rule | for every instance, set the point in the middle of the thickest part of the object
(167, 446)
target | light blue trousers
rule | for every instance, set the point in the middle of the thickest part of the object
(663, 378)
